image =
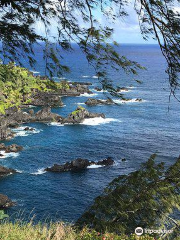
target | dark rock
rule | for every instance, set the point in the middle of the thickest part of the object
(79, 115)
(122, 89)
(28, 129)
(78, 164)
(5, 202)
(138, 100)
(123, 159)
(106, 162)
(94, 102)
(46, 99)
(13, 148)
(74, 89)
(98, 89)
(80, 83)
(2, 146)
(31, 112)
(46, 115)
(6, 171)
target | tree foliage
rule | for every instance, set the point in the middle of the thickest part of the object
(147, 198)
(75, 21)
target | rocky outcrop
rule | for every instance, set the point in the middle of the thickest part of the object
(79, 115)
(5, 202)
(14, 117)
(98, 89)
(80, 83)
(46, 99)
(122, 89)
(10, 148)
(74, 89)
(78, 164)
(6, 171)
(45, 115)
(94, 102)
(5, 132)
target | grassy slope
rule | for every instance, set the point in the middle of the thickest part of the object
(58, 231)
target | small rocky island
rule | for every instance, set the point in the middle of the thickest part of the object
(79, 164)
(6, 171)
(94, 102)
(5, 202)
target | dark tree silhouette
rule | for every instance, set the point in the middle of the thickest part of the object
(75, 21)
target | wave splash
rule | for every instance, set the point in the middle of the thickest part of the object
(134, 100)
(88, 95)
(98, 121)
(20, 132)
(8, 155)
(39, 172)
(95, 166)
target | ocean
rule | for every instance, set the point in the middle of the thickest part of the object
(132, 130)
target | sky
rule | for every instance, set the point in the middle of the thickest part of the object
(126, 30)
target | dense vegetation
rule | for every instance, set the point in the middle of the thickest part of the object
(147, 198)
(17, 85)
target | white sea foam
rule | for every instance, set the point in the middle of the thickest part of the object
(124, 90)
(19, 171)
(102, 91)
(88, 95)
(94, 76)
(98, 120)
(89, 121)
(55, 124)
(31, 106)
(20, 132)
(134, 100)
(95, 166)
(39, 172)
(131, 87)
(79, 103)
(8, 155)
(35, 72)
(85, 76)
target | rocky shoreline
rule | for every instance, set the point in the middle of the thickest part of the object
(15, 116)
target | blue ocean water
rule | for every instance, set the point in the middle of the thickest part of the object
(133, 131)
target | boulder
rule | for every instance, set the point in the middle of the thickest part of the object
(28, 129)
(46, 99)
(122, 89)
(45, 115)
(98, 89)
(31, 112)
(79, 115)
(80, 83)
(6, 171)
(138, 100)
(106, 162)
(13, 148)
(2, 146)
(80, 163)
(5, 202)
(94, 102)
